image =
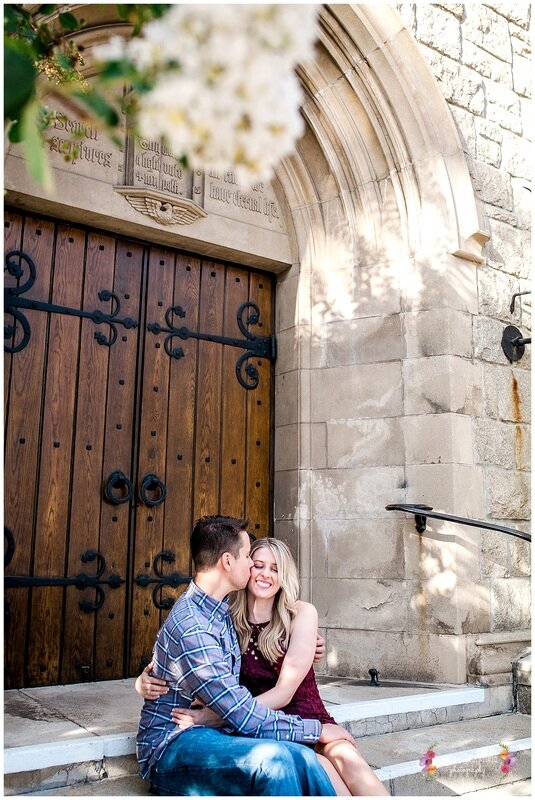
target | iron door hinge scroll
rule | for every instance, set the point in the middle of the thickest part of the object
(255, 346)
(175, 579)
(81, 581)
(14, 302)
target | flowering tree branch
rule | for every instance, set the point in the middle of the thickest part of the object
(216, 83)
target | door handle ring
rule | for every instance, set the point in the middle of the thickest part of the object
(117, 480)
(152, 482)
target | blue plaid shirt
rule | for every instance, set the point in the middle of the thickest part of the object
(197, 653)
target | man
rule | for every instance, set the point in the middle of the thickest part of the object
(197, 653)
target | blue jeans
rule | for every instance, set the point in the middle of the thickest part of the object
(206, 762)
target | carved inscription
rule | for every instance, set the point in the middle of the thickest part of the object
(257, 204)
(82, 148)
(156, 168)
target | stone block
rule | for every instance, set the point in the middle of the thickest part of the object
(440, 282)
(372, 442)
(492, 185)
(350, 493)
(432, 554)
(488, 30)
(511, 603)
(511, 120)
(487, 64)
(522, 75)
(432, 607)
(362, 341)
(495, 555)
(489, 152)
(360, 548)
(459, 84)
(439, 30)
(437, 439)
(376, 605)
(521, 203)
(286, 495)
(444, 605)
(517, 156)
(287, 531)
(495, 291)
(287, 301)
(520, 41)
(519, 13)
(318, 445)
(442, 384)
(287, 350)
(495, 443)
(466, 128)
(526, 117)
(520, 557)
(367, 390)
(286, 398)
(436, 332)
(508, 494)
(451, 488)
(376, 287)
(491, 654)
(401, 656)
(488, 130)
(507, 393)
(488, 340)
(286, 448)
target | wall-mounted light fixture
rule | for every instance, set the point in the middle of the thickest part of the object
(513, 343)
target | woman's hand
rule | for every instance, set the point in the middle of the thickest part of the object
(186, 717)
(148, 686)
(320, 648)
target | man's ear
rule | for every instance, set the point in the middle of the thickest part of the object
(225, 561)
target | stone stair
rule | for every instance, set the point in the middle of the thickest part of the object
(79, 740)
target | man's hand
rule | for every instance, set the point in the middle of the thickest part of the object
(320, 648)
(148, 686)
(332, 733)
(186, 717)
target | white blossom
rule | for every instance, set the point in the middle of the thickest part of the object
(226, 94)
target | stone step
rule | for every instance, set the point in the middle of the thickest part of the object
(467, 755)
(467, 761)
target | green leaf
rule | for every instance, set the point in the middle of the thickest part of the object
(47, 9)
(99, 106)
(15, 132)
(68, 21)
(19, 77)
(34, 151)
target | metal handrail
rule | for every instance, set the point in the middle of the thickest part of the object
(421, 512)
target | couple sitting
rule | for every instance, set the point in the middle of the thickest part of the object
(202, 732)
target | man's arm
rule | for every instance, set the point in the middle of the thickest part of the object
(205, 673)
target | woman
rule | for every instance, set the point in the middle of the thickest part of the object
(277, 635)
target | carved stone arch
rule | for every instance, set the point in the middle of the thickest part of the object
(381, 140)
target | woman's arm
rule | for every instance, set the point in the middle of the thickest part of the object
(298, 658)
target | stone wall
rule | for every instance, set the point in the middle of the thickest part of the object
(481, 57)
(391, 385)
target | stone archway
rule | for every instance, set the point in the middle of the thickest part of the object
(386, 234)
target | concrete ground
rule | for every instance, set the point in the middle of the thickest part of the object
(53, 713)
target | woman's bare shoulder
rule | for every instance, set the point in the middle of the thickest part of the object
(305, 610)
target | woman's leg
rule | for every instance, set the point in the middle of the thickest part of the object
(353, 769)
(340, 787)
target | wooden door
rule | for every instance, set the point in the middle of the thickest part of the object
(92, 572)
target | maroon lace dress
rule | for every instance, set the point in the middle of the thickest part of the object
(259, 675)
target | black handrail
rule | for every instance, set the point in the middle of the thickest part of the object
(421, 512)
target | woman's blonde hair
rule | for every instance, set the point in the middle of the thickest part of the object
(273, 640)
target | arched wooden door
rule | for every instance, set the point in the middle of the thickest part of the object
(107, 395)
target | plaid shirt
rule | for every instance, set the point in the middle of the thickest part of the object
(197, 653)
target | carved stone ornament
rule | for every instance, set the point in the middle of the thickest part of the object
(164, 208)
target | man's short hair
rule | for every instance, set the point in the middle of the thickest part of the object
(213, 536)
